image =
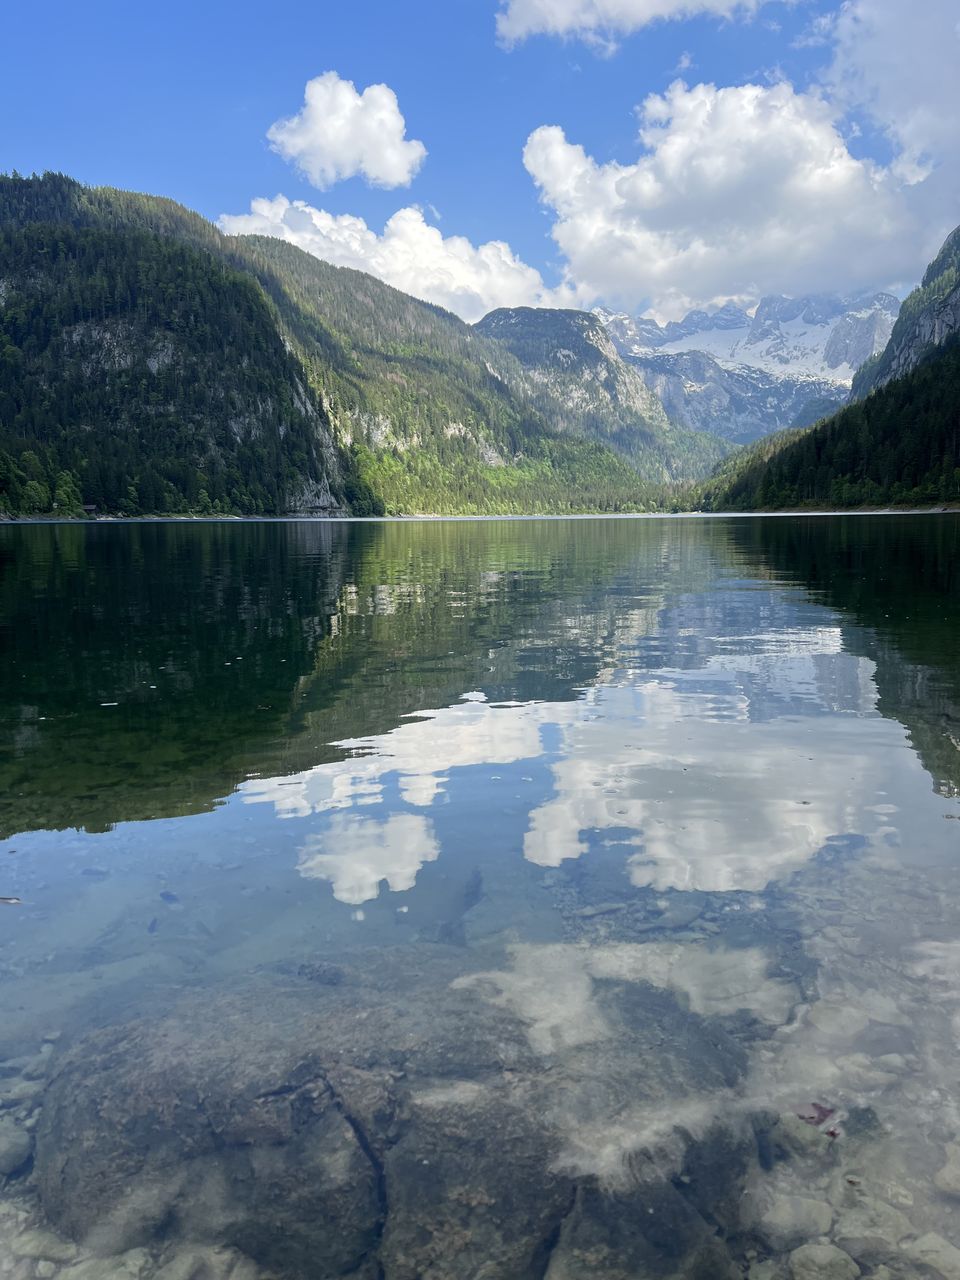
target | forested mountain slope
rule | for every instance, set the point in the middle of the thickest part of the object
(441, 417)
(138, 373)
(151, 363)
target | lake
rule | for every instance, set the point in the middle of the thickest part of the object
(480, 900)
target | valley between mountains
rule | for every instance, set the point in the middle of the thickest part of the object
(150, 364)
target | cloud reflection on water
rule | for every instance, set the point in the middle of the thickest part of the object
(364, 851)
(714, 779)
(709, 798)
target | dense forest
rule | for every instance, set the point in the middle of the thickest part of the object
(141, 373)
(900, 446)
(121, 386)
(149, 364)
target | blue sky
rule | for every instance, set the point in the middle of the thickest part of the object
(178, 100)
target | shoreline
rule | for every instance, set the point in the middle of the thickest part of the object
(942, 509)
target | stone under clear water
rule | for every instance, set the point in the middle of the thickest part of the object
(480, 900)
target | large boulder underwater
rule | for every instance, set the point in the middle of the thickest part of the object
(409, 1115)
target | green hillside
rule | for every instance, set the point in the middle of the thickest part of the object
(151, 364)
(138, 373)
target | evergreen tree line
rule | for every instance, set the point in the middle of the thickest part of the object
(139, 374)
(900, 446)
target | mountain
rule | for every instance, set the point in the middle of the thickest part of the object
(929, 317)
(149, 363)
(574, 374)
(434, 414)
(899, 445)
(739, 404)
(742, 376)
(138, 373)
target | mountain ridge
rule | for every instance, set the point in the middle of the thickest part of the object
(928, 318)
(896, 443)
(400, 405)
(574, 372)
(743, 376)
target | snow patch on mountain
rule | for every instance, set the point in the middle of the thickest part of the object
(789, 362)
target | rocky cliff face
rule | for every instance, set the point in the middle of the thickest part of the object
(570, 354)
(740, 404)
(930, 316)
(148, 370)
(742, 376)
(573, 371)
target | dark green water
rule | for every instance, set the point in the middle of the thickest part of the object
(518, 900)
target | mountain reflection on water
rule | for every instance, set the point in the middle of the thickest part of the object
(548, 899)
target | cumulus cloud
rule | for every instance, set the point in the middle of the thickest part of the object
(410, 254)
(759, 188)
(339, 133)
(900, 68)
(734, 191)
(598, 21)
(737, 191)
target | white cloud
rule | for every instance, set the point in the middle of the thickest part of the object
(735, 191)
(738, 191)
(410, 254)
(899, 66)
(760, 188)
(339, 133)
(597, 21)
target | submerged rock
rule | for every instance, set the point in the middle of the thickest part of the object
(933, 1251)
(205, 1264)
(792, 1220)
(822, 1262)
(43, 1245)
(651, 1231)
(254, 1151)
(129, 1266)
(871, 1231)
(513, 1124)
(947, 1179)
(16, 1144)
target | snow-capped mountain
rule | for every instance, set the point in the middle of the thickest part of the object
(742, 376)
